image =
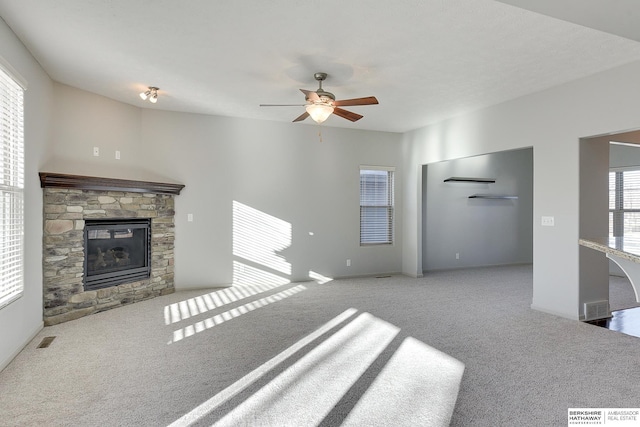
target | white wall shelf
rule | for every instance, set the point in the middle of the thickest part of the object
(492, 196)
(466, 179)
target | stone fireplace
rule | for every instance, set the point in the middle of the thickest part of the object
(106, 243)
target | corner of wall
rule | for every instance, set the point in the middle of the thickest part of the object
(28, 337)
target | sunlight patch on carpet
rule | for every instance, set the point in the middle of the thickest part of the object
(419, 386)
(306, 392)
(210, 322)
(253, 282)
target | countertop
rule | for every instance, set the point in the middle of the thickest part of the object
(624, 247)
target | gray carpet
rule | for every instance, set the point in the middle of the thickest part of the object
(455, 347)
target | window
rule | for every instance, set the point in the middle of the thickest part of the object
(624, 203)
(376, 205)
(11, 188)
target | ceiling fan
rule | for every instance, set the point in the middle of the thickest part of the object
(321, 104)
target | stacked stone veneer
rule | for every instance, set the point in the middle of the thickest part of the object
(65, 211)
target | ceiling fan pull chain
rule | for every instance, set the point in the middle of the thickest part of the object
(320, 133)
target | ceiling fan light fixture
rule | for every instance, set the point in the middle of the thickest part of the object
(320, 104)
(319, 112)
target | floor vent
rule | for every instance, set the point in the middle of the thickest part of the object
(596, 310)
(383, 277)
(46, 342)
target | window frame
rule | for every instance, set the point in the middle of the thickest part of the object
(389, 229)
(617, 219)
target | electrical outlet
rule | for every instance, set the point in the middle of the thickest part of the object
(117, 155)
(457, 255)
(547, 221)
(190, 217)
(348, 263)
(96, 151)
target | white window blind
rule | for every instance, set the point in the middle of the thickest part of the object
(376, 205)
(11, 188)
(624, 203)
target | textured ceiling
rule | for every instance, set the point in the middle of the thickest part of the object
(425, 60)
(619, 17)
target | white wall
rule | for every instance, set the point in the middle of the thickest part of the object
(285, 173)
(22, 319)
(481, 231)
(82, 121)
(594, 217)
(552, 122)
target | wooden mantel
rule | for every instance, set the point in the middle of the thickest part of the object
(59, 180)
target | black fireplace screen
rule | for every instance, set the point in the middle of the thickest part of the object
(116, 251)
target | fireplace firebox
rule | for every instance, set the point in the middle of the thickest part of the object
(116, 251)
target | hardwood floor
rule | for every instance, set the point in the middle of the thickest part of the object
(626, 321)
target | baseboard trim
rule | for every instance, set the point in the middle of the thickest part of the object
(32, 335)
(555, 313)
(370, 276)
(356, 276)
(473, 267)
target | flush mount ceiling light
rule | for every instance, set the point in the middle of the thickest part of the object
(151, 94)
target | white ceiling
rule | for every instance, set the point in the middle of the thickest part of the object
(425, 60)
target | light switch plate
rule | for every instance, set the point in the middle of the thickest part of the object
(548, 221)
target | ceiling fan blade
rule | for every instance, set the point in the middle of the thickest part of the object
(310, 95)
(369, 100)
(347, 114)
(301, 117)
(282, 105)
